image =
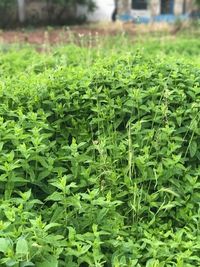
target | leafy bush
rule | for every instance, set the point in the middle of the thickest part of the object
(54, 12)
(89, 3)
(99, 160)
(7, 7)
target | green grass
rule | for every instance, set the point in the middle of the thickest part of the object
(99, 154)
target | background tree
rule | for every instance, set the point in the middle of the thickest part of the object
(198, 2)
(6, 7)
(55, 15)
(66, 6)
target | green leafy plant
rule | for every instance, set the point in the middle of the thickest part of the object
(99, 156)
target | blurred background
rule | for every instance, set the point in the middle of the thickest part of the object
(14, 13)
(48, 21)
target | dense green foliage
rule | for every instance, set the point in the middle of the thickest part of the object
(54, 12)
(89, 3)
(99, 157)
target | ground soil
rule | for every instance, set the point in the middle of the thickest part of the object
(64, 34)
(76, 34)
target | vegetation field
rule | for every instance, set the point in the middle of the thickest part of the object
(100, 153)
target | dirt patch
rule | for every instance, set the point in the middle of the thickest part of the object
(65, 34)
(53, 35)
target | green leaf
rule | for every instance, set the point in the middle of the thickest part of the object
(22, 246)
(51, 225)
(56, 196)
(152, 263)
(26, 264)
(25, 195)
(193, 148)
(43, 174)
(51, 262)
(169, 190)
(5, 244)
(11, 263)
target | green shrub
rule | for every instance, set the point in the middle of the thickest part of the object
(99, 161)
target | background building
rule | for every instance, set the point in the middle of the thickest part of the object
(155, 7)
(143, 9)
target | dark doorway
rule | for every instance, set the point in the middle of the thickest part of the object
(167, 7)
(139, 4)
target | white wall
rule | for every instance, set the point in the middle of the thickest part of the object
(155, 7)
(103, 12)
(140, 13)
